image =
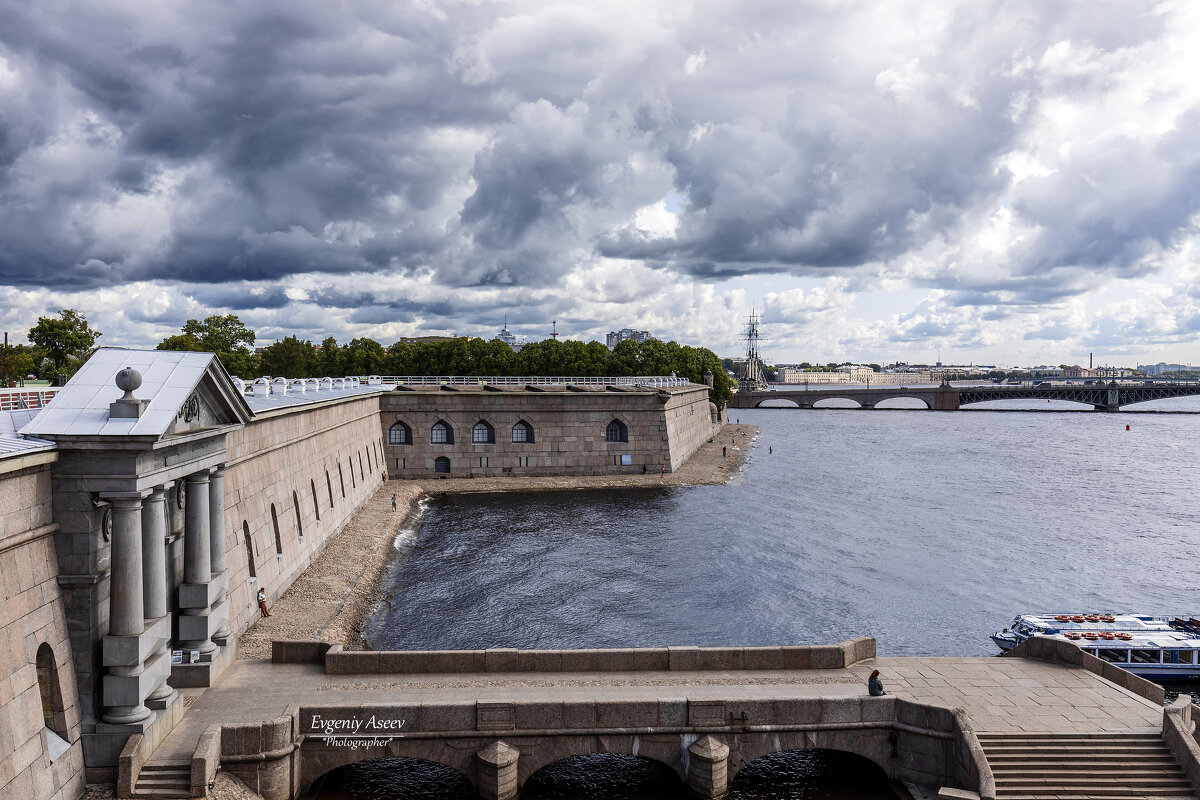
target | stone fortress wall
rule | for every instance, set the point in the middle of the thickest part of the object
(37, 678)
(294, 479)
(116, 548)
(565, 430)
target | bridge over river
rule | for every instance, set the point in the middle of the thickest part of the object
(1046, 721)
(1101, 396)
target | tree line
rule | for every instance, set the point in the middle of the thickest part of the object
(59, 346)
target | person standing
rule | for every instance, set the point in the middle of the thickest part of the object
(874, 685)
(262, 602)
(393, 502)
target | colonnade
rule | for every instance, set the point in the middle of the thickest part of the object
(137, 649)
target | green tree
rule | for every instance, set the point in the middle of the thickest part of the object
(329, 360)
(363, 357)
(290, 358)
(66, 340)
(16, 361)
(224, 335)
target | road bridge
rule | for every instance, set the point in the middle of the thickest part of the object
(1101, 396)
(498, 716)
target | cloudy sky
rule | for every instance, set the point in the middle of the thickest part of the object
(1014, 182)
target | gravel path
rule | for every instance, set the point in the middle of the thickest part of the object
(330, 599)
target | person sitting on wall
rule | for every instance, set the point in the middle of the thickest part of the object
(874, 685)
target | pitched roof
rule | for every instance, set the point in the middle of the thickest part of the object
(168, 378)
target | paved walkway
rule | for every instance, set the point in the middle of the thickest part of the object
(999, 694)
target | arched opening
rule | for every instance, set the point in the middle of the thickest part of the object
(522, 432)
(361, 472)
(836, 402)
(353, 480)
(54, 711)
(441, 433)
(249, 540)
(616, 431)
(392, 777)
(812, 773)
(907, 403)
(779, 403)
(399, 433)
(299, 521)
(278, 538)
(604, 775)
(329, 486)
(316, 506)
(341, 480)
(483, 433)
(441, 465)
(370, 462)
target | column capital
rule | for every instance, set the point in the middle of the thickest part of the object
(129, 500)
(218, 470)
(198, 477)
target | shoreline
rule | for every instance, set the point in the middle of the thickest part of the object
(330, 599)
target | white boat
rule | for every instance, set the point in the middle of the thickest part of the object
(1152, 647)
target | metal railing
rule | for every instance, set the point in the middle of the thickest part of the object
(538, 380)
(20, 398)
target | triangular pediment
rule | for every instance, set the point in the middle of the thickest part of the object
(182, 392)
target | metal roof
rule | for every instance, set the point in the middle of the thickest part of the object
(12, 443)
(293, 398)
(81, 407)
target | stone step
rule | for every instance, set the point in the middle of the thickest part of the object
(1106, 792)
(1139, 747)
(1023, 736)
(163, 794)
(1053, 795)
(1132, 759)
(1043, 771)
(180, 767)
(168, 781)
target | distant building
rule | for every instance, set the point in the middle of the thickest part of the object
(853, 373)
(1161, 367)
(616, 337)
(506, 336)
(1077, 371)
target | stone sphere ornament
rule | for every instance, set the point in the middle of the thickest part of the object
(128, 380)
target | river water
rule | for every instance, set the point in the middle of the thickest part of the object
(925, 530)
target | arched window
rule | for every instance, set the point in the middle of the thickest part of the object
(441, 433)
(299, 523)
(316, 506)
(441, 464)
(483, 433)
(278, 538)
(54, 713)
(616, 432)
(522, 432)
(329, 486)
(249, 548)
(341, 480)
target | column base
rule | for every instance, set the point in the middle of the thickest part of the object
(126, 715)
(206, 673)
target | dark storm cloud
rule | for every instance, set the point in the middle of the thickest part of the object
(503, 145)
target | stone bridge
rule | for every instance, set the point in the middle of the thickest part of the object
(1101, 396)
(498, 716)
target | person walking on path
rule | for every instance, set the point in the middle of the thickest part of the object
(262, 602)
(874, 685)
(393, 502)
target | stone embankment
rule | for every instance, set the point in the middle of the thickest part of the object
(329, 600)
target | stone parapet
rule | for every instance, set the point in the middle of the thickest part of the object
(341, 662)
(1179, 733)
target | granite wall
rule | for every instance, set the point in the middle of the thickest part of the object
(37, 681)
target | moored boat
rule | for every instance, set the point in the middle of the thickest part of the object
(1026, 625)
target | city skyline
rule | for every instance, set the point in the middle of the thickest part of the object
(1003, 183)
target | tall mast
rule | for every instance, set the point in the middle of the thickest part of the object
(753, 379)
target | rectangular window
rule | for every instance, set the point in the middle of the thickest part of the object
(626, 460)
(1178, 657)
(1114, 656)
(1144, 656)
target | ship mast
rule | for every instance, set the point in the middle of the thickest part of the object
(753, 379)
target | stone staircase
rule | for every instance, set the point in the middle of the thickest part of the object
(1083, 766)
(164, 781)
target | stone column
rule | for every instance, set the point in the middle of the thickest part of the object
(194, 598)
(123, 701)
(154, 553)
(708, 768)
(125, 582)
(216, 538)
(497, 768)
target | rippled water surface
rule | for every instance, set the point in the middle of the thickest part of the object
(925, 530)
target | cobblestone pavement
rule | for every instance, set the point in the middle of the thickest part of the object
(998, 694)
(329, 599)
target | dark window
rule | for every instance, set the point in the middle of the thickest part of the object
(441, 464)
(522, 432)
(441, 433)
(54, 715)
(249, 548)
(616, 432)
(370, 463)
(299, 523)
(353, 480)
(341, 480)
(1113, 656)
(483, 433)
(316, 506)
(361, 472)
(329, 486)
(278, 538)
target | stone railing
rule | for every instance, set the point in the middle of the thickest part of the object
(129, 764)
(666, 659)
(263, 755)
(1046, 649)
(1179, 733)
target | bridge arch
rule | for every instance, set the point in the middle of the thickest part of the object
(610, 773)
(388, 772)
(785, 770)
(838, 401)
(777, 402)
